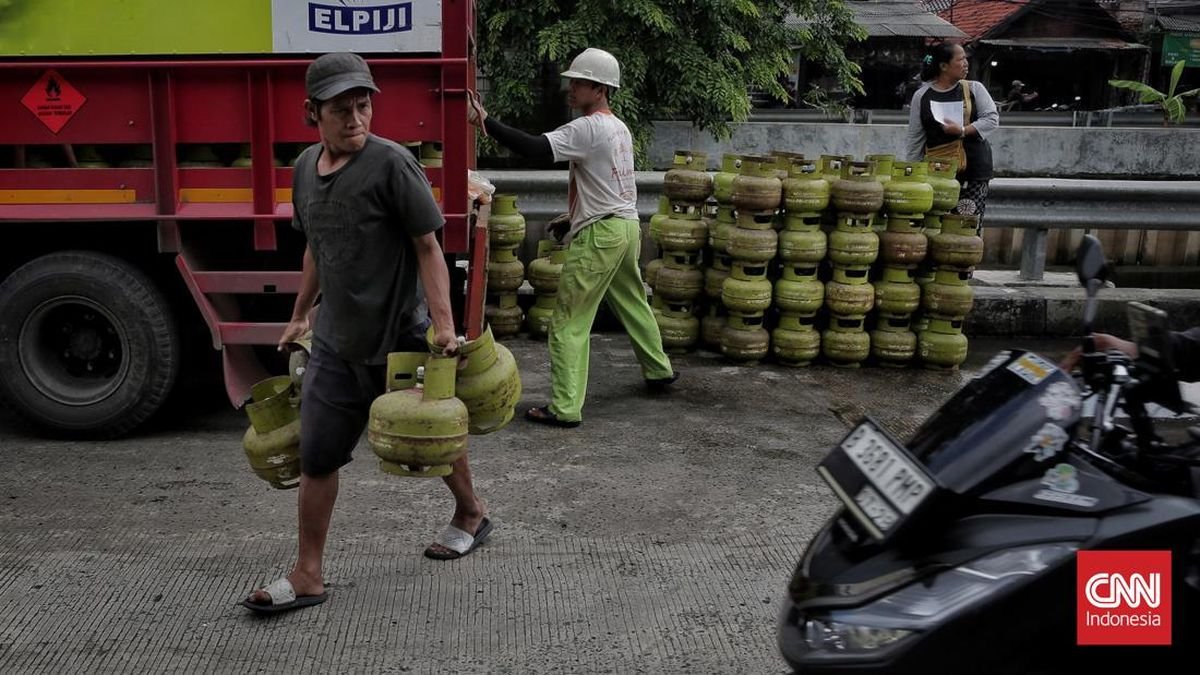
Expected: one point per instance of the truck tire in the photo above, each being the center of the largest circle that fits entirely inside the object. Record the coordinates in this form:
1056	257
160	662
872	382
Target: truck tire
88	345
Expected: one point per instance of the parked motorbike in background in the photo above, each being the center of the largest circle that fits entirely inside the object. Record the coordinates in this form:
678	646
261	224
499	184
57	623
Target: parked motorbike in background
956	552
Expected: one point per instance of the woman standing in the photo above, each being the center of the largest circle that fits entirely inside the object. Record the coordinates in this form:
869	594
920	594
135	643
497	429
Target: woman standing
951	117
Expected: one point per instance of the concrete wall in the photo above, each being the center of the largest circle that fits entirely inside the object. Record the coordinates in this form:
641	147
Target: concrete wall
1017	151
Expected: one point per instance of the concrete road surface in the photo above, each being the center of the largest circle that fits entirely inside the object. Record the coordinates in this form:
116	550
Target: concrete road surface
656	538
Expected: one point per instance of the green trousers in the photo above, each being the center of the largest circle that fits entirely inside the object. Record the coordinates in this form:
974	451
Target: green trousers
602	264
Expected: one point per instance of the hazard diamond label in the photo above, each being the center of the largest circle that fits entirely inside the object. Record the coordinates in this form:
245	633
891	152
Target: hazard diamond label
54	101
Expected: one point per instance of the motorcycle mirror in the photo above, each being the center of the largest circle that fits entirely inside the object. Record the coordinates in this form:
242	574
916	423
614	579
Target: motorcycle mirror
1090	264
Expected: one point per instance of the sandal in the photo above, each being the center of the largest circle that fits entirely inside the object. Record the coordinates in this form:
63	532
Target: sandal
661	385
543	415
283	598
458	542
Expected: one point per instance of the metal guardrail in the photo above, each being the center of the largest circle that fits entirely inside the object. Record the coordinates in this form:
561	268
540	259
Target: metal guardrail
1037	204
1047	118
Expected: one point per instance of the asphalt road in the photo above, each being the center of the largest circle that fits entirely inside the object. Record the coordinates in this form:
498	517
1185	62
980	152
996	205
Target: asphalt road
657	537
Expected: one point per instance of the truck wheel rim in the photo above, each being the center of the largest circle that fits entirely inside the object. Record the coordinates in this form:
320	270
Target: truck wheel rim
73	351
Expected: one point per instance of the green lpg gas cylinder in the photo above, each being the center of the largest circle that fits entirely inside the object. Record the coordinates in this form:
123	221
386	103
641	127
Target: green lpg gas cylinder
756	187
678	326
783	162
656	220
505	271
883	166
711	326
858	190
431	154
747	296
831	166
853	245
799	291
300	350
795	341
419	431
684	234
506	225
272	443
753	245
949	296
199	157
142	157
89	157
850	293
897	293
650	275
958	245
714	282
908	194
688	180
805	190
487	382
744	338
719	232
808	246
731	165
942	345
545	271
540	315
679	282
845	343
892	342
505	315
946	188
903	243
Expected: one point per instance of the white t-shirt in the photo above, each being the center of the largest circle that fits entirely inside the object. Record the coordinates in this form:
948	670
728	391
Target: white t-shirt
600	150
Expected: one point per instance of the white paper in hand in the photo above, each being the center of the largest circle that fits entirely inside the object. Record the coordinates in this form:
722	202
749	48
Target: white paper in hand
947	112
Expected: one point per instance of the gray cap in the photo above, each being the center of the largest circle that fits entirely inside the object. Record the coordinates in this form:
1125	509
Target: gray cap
332	74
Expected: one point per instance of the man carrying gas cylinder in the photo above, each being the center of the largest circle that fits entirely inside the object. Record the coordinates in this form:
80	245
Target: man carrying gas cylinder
370	218
603	232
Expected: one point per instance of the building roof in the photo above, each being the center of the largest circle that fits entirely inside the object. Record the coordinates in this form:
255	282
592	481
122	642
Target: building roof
894	18
1180	24
1173	6
978	17
901	18
1058	44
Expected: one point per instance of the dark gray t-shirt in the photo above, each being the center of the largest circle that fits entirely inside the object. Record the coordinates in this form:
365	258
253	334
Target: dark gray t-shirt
360	222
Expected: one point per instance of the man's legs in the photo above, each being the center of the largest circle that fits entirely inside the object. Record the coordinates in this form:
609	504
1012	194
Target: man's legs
468	508
333	413
317	496
627	298
591	264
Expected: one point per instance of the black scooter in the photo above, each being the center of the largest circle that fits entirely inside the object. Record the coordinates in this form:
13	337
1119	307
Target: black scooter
960	550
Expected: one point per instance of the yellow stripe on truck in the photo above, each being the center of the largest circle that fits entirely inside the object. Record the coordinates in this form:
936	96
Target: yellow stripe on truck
68	196
228	195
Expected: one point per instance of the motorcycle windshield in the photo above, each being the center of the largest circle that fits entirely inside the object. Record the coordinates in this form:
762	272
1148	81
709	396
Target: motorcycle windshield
1021	408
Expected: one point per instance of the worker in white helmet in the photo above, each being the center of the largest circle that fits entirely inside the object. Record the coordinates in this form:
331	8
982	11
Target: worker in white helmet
602	230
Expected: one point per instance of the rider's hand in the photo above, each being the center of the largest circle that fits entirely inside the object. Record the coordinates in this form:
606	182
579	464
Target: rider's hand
559	226
1104	342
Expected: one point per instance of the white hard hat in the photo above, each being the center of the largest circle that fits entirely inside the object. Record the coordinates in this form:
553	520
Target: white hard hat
596	65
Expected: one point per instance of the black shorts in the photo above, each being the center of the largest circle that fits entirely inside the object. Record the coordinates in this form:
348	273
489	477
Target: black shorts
335	404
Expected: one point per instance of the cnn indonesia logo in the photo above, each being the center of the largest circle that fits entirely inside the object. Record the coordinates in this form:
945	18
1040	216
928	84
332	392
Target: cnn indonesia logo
1124	598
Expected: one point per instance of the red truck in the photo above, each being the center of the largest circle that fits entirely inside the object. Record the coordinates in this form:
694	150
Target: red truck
145	184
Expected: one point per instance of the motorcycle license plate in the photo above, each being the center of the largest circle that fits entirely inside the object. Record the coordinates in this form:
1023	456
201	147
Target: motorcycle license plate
877	479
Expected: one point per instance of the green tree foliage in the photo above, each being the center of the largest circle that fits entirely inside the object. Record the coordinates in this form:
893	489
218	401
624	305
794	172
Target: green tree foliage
1173	107
680	59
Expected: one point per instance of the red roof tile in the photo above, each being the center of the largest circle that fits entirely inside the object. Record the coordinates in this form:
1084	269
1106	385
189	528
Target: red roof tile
977	17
